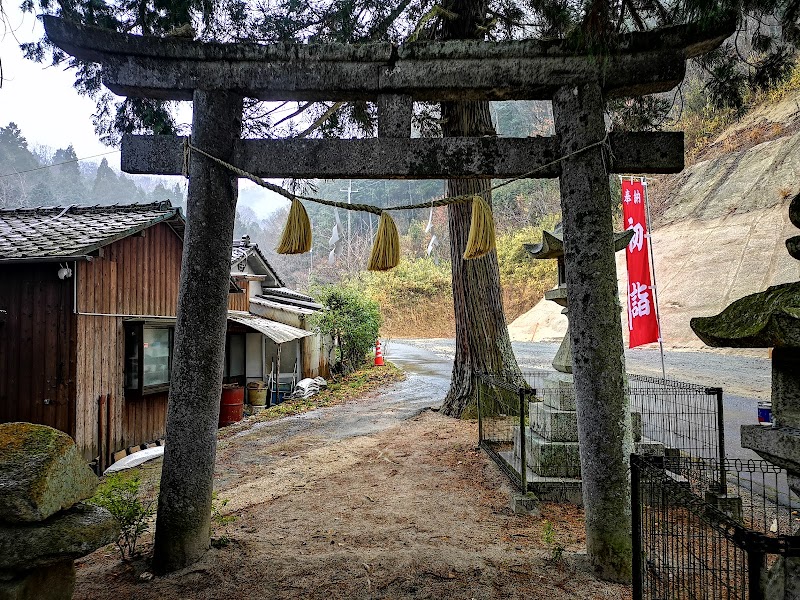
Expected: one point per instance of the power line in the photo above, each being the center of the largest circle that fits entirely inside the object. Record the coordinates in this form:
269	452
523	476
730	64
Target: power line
66	162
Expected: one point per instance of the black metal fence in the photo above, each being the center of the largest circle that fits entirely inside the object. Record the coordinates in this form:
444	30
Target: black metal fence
532	422
692	540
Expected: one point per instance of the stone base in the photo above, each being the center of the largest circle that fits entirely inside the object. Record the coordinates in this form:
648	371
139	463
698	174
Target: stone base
525	504
730	505
54	582
562	459
548	489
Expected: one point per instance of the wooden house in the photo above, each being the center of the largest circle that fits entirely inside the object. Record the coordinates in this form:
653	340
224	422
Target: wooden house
270	335
88	297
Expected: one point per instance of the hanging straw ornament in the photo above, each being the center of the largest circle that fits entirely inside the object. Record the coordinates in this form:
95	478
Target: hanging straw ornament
481	230
386	249
296	238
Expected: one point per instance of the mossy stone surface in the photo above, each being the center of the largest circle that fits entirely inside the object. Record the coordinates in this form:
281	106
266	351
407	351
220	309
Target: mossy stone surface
769	319
41	473
66	536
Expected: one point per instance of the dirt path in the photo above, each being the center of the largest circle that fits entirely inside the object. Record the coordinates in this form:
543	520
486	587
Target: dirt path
403	506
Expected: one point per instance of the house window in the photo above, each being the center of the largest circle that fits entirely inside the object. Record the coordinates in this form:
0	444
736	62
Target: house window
148	357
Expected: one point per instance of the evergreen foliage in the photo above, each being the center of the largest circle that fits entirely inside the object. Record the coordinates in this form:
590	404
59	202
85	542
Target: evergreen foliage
44	178
757	57
352	321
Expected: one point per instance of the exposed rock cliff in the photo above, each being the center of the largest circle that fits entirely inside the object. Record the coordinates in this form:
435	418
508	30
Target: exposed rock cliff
719	228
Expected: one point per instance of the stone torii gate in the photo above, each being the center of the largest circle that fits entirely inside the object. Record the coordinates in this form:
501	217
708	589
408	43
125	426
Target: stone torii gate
217	76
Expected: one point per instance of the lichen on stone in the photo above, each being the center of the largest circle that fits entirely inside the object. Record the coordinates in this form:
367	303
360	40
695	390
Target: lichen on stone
769	319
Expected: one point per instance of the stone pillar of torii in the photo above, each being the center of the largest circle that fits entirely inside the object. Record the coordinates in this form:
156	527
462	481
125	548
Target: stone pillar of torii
216	77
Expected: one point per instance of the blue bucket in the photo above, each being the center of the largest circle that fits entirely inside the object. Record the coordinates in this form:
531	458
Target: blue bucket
765	412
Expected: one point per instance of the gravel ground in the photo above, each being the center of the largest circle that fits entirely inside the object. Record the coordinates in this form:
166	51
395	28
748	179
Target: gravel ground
377	498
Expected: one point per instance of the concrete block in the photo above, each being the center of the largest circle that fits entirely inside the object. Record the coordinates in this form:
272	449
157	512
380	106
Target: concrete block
553	425
552	459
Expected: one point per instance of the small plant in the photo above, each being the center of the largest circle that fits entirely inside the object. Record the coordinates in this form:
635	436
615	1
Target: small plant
119	495
551	541
217	505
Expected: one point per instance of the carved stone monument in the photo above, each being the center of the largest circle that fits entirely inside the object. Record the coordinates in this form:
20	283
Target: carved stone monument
551	440
552	246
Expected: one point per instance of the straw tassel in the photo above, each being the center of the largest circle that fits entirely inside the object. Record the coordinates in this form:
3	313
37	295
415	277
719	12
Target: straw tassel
296	238
481	230
386	250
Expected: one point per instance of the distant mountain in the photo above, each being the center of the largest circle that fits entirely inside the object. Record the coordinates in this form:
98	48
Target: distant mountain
47	178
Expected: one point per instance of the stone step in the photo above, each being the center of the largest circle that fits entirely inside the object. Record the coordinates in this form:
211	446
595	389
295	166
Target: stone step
558	398
552	459
562	459
551	424
549	489
562	425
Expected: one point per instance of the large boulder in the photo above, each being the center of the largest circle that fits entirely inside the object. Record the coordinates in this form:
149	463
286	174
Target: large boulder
69	535
41	473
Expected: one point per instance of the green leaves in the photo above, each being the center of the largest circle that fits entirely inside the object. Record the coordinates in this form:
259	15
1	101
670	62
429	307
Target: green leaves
351	320
119	495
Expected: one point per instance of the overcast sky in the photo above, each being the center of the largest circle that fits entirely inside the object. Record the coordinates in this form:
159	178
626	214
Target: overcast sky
44	104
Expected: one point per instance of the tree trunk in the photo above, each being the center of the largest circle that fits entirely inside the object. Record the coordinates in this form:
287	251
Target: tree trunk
184	504
482	341
598	361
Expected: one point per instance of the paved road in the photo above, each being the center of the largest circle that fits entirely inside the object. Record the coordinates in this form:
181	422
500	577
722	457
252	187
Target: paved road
744	379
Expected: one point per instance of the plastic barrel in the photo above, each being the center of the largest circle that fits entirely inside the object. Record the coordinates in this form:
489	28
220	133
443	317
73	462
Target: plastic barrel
257	393
765	412
231	408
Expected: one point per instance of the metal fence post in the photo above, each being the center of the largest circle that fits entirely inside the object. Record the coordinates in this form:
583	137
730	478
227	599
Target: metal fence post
755	559
723	476
523	470
636	526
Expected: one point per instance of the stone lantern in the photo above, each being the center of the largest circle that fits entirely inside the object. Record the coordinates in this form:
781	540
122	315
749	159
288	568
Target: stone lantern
770	319
552	246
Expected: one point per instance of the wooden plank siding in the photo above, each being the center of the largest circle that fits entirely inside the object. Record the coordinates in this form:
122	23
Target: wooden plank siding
138	275
239	301
37	369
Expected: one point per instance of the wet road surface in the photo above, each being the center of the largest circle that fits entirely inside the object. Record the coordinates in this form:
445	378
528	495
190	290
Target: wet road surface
744	379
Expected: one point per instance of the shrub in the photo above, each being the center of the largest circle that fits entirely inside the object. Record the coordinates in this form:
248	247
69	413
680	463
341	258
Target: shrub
351	320
119	495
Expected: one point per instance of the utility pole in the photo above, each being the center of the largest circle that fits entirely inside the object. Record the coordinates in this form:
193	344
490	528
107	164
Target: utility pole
350	191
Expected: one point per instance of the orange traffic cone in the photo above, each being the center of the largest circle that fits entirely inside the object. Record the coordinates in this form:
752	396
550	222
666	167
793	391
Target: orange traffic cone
378	354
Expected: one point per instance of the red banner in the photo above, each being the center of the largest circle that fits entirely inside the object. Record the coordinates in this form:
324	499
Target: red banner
642	320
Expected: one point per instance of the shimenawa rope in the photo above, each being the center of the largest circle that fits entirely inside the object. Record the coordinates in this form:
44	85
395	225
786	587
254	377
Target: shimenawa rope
296	238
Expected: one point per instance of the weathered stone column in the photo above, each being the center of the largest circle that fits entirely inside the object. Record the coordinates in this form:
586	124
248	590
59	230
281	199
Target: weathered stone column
604	418
184	504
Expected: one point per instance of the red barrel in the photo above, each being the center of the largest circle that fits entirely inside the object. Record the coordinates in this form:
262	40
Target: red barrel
231	407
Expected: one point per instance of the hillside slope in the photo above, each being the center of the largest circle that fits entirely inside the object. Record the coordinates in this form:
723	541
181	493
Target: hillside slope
719	228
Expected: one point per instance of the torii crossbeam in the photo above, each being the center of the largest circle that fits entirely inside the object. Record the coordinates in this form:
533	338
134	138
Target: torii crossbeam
217	76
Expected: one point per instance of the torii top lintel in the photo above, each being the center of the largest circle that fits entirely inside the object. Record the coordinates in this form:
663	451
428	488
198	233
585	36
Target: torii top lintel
172	68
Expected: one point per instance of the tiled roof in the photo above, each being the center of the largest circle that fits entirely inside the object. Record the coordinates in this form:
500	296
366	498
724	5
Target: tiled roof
243	249
31	234
291	297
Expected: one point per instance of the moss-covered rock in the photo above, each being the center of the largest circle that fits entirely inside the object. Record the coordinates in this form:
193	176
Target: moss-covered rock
66	536
41	473
769	319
